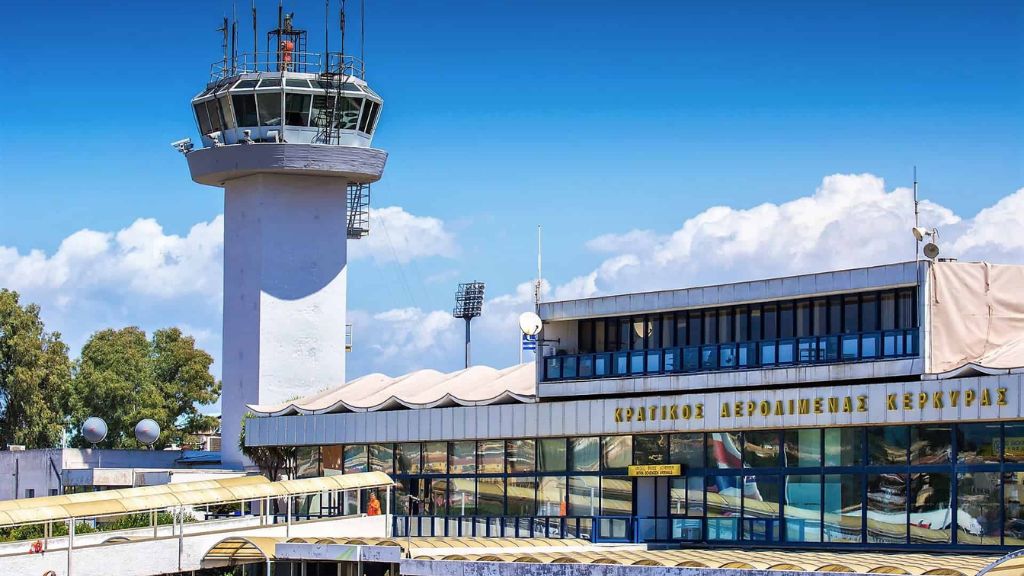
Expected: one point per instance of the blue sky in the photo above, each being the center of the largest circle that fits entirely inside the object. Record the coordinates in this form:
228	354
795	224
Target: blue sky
590	118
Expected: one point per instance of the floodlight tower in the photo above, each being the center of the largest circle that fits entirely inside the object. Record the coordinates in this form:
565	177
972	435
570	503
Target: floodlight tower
286	133
469	303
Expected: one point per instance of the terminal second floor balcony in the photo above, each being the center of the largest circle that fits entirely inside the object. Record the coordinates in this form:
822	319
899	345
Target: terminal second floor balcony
749	355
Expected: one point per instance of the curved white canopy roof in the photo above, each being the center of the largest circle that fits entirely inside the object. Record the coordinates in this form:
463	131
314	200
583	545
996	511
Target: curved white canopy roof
474	386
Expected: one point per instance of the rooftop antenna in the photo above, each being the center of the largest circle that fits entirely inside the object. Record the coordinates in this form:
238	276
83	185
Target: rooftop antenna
342	23
469	303
537	286
234	37
362	35
327	29
224	46
255	38
917	219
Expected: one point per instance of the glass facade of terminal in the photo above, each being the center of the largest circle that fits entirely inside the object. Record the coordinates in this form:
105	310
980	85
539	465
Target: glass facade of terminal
827	329
929	485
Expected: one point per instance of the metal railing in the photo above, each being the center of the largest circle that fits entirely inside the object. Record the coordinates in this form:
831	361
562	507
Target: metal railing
836	348
337	64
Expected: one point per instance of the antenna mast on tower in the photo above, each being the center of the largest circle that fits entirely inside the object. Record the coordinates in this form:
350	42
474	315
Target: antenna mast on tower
917	219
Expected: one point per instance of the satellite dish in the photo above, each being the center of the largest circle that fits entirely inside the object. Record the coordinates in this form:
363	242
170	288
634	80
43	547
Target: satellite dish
529	323
94	430
147	432
931	250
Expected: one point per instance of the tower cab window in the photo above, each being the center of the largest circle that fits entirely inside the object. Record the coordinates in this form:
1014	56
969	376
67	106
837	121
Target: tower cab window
203	118
245	109
269	104
349	112
296	109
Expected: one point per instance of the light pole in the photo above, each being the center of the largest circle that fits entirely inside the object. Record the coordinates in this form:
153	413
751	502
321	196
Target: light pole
408	533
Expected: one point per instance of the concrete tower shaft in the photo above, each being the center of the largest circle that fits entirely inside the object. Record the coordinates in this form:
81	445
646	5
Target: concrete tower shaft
285	275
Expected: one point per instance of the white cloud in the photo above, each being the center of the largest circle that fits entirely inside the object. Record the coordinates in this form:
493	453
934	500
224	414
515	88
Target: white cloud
396	235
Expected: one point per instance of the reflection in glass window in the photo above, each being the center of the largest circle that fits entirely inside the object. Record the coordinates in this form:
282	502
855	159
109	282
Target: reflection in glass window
723	507
724	450
616	452
437	501
551	496
887	310
887	445
687	449
356	459
213	110
348	112
843	507
650	449
869	312
978	508
977	443
245	109
435	457
761	449
851	314
492	456
407	458
931	512
245	84
371	121
616	496
786	320
930	444
803	508
521	455
586	454
296	109
803	447
843	446
584	495
1013	492
203	118
307	462
905	309
270	108
490	496
270	83
522	496
551	455
1013	449
887	508
382	458
462	457
761	508
461	496
332	458
321	110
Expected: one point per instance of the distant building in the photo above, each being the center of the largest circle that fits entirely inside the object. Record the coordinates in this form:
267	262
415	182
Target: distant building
49	472
872	408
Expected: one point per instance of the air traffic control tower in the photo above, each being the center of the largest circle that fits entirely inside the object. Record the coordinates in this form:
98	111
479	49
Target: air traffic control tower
286	133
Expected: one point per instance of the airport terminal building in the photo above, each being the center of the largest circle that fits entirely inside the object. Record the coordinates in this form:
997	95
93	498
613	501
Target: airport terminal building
870	408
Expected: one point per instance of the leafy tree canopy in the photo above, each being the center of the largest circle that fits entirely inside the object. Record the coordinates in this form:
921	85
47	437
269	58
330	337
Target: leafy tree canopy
123	377
35	377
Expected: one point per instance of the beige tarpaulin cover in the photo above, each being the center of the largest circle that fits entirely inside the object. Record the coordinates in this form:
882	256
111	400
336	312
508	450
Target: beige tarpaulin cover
977	316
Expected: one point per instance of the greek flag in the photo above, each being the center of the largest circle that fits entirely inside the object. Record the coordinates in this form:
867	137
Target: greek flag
529	342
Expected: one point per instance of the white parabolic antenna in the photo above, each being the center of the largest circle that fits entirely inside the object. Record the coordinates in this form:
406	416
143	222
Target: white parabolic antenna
147	432
94	430
931	250
529	323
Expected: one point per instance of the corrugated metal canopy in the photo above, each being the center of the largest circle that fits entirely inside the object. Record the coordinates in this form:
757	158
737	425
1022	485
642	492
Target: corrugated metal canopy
921	564
238	550
135	492
141	499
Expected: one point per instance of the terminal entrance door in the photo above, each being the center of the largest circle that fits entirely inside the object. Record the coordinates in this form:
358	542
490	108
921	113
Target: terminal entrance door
651	508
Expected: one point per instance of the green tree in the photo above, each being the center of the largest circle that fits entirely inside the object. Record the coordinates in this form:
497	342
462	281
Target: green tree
124	377
271	460
35	377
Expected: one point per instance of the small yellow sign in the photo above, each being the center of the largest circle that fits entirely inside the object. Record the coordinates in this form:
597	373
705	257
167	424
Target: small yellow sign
656	470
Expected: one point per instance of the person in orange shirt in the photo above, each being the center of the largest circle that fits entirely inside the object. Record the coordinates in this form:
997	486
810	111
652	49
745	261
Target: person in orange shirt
373	508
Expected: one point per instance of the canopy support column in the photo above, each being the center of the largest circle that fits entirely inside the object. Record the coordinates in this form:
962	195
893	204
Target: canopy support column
71	546
288	518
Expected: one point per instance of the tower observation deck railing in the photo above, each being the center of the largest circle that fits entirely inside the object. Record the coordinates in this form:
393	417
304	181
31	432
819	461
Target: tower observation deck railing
336	64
